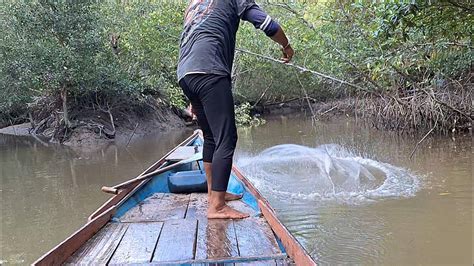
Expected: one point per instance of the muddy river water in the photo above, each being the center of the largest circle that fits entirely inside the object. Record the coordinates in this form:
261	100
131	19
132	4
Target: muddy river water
350	194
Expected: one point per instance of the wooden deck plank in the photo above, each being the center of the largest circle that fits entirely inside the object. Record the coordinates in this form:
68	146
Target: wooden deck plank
177	241
197	208
226	261
101	246
255	238
144	210
285	262
183	153
172	206
216	239
243	207
169	206
257	263
137	244
213	264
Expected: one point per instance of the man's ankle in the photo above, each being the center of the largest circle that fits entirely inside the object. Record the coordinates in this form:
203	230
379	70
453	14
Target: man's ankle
217	200
216	206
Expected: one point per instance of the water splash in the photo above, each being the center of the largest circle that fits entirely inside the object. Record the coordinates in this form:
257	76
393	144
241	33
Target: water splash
327	172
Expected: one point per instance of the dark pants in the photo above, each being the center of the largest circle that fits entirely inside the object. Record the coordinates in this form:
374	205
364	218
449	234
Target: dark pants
213	104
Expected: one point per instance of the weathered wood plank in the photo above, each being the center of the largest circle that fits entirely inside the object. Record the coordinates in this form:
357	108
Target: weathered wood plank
214	264
256	263
137	244
172	206
216	239
159	207
183	153
144	211
285	262
255	238
230	261
197	207
101	246
243	207
177	241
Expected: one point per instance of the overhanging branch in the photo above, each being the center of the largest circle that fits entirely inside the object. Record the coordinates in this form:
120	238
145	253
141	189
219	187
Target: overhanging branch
303	69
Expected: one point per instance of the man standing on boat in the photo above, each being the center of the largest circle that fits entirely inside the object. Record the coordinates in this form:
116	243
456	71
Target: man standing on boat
206	56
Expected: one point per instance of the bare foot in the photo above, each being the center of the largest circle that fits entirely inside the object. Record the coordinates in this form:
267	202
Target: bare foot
225	212
229	196
232	196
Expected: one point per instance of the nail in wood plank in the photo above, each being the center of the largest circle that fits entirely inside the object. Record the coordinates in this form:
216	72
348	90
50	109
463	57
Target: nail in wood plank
177	241
137	244
197	207
255	238
101	246
216	239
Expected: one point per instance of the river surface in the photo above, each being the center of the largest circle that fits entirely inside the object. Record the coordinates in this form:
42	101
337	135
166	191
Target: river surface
350	194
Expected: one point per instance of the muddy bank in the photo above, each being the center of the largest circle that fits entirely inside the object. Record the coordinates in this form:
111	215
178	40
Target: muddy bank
318	110
416	114
126	128
125	133
17	130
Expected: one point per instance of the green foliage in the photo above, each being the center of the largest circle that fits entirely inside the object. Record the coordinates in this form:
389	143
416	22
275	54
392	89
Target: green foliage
243	117
148	40
88	48
129	49
50	45
363	42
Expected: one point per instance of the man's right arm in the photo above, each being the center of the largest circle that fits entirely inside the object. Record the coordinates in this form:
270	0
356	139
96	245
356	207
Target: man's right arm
287	50
272	29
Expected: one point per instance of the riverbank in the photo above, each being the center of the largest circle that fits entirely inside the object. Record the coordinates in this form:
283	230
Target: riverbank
447	112
92	129
89	123
92	134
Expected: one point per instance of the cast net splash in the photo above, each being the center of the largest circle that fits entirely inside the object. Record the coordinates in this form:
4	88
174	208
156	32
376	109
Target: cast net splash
327	172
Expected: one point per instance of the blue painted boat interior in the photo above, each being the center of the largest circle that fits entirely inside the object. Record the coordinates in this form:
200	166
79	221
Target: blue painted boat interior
159	184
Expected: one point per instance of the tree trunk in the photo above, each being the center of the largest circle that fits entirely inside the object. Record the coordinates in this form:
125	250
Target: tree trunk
65	112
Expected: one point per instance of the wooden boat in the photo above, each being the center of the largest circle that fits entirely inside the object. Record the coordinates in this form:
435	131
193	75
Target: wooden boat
143	223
